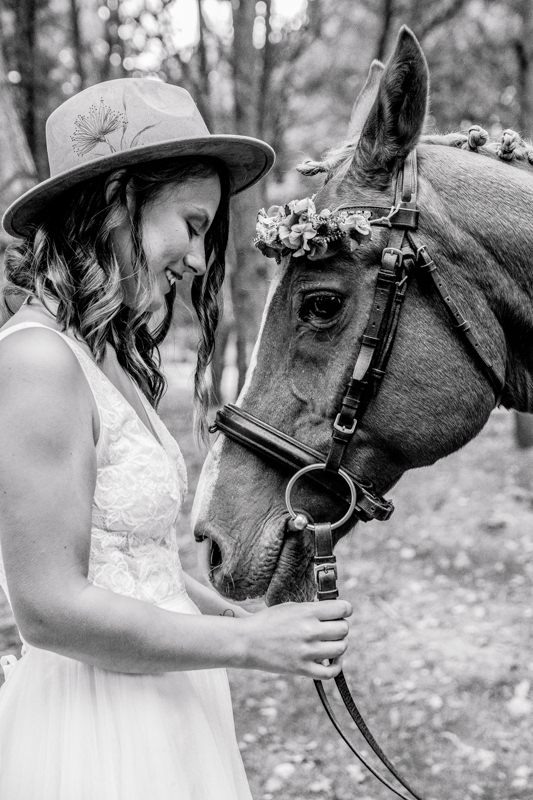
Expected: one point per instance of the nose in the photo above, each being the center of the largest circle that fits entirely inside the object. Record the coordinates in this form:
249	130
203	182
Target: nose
195	260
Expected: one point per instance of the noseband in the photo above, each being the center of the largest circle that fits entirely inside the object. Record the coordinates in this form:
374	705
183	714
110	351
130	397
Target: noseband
404	258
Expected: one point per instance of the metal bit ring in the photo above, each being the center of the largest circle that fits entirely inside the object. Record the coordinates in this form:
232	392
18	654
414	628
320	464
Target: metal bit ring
312	468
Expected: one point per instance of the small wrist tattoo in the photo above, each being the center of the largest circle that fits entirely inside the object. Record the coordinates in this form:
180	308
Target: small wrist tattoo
228	612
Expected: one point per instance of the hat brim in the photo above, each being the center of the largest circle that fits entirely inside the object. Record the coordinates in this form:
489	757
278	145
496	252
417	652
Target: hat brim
247	160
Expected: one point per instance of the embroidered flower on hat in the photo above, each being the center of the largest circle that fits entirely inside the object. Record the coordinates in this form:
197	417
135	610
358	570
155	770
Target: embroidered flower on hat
93	128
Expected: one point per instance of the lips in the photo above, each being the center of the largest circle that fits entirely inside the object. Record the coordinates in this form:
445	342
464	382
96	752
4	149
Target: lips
292	579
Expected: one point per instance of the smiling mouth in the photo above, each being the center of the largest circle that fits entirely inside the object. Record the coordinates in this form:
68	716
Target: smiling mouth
172	276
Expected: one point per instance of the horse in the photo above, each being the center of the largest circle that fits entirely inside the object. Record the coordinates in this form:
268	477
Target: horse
474	199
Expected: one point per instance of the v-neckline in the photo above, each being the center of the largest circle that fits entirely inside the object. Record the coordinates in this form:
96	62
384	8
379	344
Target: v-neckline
149	430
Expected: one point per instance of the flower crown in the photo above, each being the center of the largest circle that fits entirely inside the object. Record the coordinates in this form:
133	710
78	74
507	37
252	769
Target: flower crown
298	230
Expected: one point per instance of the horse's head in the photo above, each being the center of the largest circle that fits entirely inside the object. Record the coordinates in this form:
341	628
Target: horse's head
434	397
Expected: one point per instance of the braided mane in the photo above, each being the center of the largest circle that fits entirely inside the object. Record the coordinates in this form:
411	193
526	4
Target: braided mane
510	147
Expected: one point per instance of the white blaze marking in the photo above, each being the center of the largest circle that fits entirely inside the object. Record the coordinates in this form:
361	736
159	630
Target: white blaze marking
253	361
206	482
209	474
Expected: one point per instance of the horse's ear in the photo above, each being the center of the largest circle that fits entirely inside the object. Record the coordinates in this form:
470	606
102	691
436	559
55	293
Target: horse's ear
397	116
365	100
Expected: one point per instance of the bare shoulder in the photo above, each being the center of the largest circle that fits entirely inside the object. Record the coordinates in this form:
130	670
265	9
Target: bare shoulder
37	355
39	374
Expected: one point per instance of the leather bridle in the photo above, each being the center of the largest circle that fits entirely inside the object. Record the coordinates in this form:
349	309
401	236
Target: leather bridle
404	258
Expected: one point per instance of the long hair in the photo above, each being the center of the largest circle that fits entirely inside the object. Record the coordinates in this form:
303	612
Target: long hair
69	258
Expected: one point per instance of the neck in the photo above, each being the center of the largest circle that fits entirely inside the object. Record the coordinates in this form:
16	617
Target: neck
486	253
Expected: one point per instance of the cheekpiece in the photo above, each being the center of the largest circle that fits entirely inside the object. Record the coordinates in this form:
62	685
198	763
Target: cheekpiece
297	229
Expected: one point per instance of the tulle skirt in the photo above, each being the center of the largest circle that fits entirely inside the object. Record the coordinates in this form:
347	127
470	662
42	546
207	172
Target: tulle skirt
70	731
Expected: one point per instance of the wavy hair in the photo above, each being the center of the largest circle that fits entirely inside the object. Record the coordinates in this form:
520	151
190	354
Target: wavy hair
69	258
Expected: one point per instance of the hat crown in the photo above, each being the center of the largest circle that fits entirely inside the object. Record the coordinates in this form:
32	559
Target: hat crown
116	116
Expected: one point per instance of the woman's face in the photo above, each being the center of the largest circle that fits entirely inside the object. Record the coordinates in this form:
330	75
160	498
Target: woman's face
173	229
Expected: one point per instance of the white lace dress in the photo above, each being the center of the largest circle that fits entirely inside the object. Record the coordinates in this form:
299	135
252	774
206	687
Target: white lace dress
70	731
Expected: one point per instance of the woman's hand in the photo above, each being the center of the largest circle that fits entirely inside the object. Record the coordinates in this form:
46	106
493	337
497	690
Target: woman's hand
298	638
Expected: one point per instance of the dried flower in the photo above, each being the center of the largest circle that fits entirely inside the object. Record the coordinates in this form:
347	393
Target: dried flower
298	229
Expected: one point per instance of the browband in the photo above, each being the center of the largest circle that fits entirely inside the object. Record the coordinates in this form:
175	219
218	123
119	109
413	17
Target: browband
387	217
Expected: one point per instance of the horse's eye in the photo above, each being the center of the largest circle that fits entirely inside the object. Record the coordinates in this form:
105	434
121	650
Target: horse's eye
320	307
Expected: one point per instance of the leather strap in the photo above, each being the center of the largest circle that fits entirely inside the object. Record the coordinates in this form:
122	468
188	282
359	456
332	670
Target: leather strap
289	453
387	287
326	581
387	216
427	266
325	562
319	686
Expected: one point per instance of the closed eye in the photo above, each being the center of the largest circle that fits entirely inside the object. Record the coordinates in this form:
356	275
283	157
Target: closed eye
321	308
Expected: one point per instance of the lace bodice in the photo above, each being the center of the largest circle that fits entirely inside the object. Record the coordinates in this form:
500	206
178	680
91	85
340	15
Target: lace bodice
140	487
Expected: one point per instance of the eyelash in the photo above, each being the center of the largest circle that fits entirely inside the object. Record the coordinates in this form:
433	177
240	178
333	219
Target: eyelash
192	231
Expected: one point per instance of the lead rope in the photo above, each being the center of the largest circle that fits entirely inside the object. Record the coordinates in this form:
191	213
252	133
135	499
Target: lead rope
325	565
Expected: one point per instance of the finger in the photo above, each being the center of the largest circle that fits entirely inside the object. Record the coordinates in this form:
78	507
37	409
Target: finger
329	650
334	629
325	671
332	609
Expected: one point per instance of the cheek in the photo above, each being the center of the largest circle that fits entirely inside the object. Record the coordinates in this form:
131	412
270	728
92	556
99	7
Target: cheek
164	243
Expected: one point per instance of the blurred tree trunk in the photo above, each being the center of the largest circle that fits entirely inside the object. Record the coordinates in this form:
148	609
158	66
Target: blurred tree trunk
77	43
25	53
248	278
203	97
387	15
17	169
112	65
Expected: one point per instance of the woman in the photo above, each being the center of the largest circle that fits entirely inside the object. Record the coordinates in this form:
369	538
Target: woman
121	692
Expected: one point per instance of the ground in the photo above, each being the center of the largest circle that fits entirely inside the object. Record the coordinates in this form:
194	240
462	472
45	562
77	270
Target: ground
441	656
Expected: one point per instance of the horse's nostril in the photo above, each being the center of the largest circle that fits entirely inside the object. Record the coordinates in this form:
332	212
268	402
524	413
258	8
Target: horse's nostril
215	555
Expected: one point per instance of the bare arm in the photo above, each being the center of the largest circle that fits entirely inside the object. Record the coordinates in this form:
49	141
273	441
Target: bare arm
47	481
211	602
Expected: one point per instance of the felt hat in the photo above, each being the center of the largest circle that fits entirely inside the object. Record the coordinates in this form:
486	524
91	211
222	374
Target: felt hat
127	121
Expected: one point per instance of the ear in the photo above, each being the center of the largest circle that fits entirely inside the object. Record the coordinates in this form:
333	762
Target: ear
113	184
365	100
397	116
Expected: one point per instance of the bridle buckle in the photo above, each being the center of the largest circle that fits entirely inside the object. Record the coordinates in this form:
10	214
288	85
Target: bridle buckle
343	428
326	568
395	252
